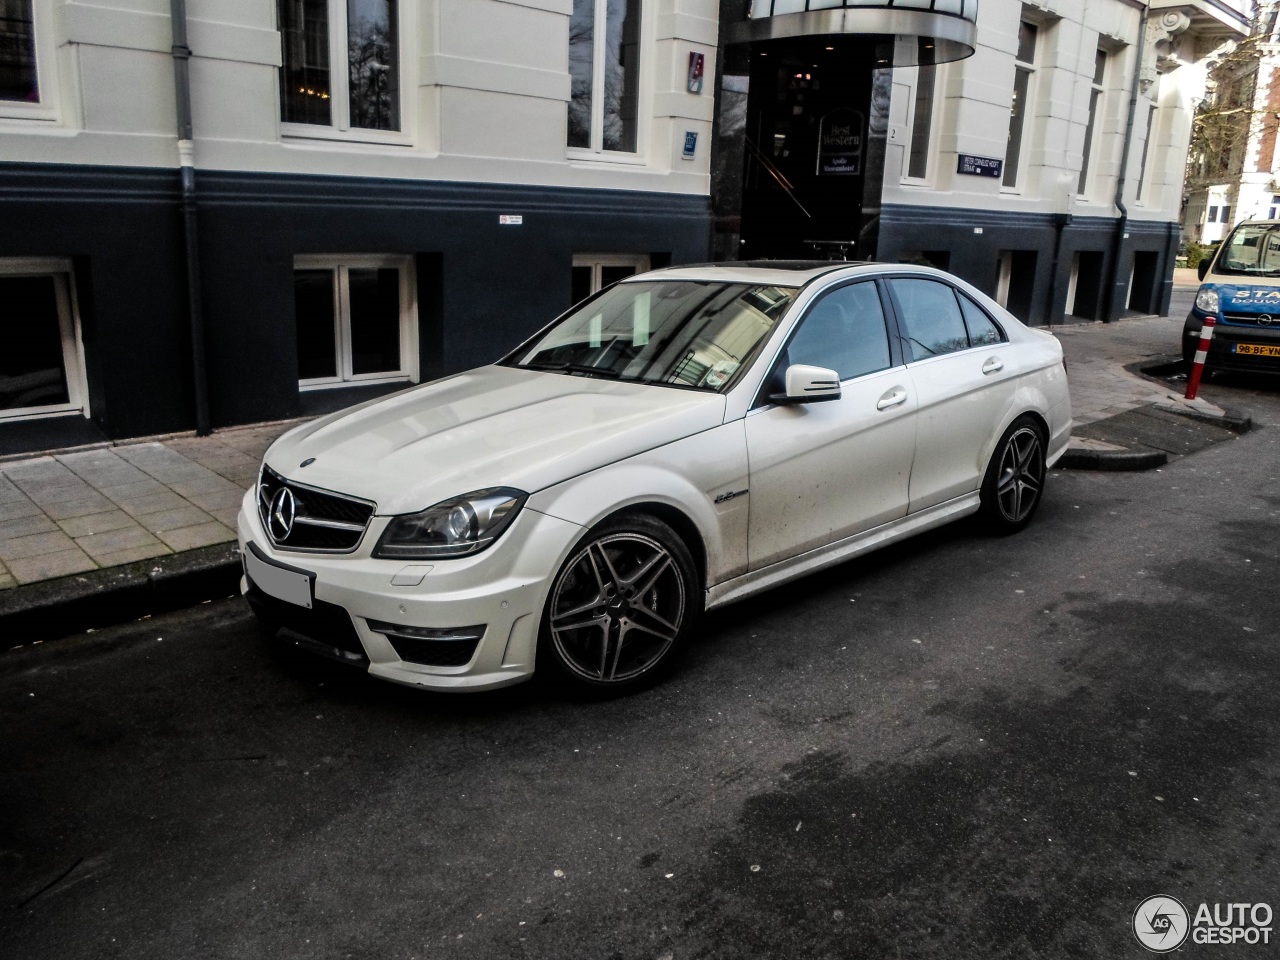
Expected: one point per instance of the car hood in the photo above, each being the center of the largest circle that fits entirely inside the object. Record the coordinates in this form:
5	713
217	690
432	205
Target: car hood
489	427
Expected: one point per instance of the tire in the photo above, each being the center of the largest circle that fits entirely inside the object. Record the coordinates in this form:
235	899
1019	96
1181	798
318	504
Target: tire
621	608
1013	485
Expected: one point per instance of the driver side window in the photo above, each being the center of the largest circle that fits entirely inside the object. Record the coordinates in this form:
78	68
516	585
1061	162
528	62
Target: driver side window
845	332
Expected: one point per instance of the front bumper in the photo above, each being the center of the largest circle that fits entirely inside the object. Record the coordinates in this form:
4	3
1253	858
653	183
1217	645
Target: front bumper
1228	337
502	589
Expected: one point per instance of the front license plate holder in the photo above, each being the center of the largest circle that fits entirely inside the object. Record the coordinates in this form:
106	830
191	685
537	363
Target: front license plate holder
290	584
1255	349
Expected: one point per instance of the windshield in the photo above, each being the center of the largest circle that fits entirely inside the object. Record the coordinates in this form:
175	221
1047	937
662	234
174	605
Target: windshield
1252	250
687	333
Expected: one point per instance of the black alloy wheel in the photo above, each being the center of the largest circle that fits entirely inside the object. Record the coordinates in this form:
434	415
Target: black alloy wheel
621	606
1014	482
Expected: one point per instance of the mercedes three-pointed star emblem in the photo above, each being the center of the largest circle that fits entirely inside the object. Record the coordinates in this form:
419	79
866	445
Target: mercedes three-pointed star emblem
284	507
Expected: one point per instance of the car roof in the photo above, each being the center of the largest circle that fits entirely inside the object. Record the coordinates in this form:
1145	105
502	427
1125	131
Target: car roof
779	273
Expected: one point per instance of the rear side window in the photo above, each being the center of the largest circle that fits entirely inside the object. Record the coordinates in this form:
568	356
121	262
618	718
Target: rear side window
982	329
845	332
932	317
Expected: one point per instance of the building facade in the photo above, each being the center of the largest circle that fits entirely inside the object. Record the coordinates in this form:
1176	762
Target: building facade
216	212
1233	170
1046	167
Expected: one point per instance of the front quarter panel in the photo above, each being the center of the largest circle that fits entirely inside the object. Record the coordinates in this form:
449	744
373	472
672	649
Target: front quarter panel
688	475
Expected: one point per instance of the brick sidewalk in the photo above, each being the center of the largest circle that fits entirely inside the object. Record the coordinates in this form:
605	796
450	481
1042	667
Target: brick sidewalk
68	513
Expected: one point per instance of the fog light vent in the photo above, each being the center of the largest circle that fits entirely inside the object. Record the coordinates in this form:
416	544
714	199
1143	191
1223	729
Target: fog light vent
432	646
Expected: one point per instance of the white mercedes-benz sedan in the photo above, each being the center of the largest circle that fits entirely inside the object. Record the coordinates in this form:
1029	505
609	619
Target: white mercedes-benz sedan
682	440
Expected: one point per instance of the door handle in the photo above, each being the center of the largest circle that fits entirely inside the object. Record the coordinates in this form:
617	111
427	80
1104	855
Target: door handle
993	365
891	399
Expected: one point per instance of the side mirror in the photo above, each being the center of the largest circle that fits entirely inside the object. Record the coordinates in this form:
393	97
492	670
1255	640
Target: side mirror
1203	269
806	384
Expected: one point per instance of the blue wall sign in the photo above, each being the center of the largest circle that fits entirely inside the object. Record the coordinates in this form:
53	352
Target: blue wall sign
980	166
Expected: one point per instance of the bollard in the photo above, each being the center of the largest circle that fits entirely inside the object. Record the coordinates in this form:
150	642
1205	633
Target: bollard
1202	351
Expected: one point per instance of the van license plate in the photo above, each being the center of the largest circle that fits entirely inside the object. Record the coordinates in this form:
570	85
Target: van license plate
1256	350
283	583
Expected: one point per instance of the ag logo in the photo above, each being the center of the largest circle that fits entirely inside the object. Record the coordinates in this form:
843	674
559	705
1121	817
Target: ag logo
1161	924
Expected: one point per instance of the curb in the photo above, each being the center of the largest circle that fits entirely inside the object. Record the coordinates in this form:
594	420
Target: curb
1112	460
57	608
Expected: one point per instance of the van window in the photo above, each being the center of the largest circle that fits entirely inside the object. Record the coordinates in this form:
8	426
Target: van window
1252	250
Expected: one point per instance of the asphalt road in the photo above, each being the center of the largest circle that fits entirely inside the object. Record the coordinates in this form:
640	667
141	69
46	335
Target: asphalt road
960	747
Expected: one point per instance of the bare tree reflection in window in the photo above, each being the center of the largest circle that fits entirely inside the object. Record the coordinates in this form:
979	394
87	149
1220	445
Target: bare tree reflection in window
622	74
582	35
372	62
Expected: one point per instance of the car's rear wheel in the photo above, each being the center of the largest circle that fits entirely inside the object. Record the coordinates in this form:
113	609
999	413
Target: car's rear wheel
621	607
1014	482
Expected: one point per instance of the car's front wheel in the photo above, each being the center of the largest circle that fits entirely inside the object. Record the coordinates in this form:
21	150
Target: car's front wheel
622	606
1014	482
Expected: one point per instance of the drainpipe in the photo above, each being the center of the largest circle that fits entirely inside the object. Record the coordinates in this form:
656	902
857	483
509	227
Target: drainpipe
1117	244
191	233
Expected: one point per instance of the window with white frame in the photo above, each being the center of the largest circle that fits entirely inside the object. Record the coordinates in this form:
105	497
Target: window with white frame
1096	94
340	64
26	60
357	320
1023	92
592	272
42	363
604	69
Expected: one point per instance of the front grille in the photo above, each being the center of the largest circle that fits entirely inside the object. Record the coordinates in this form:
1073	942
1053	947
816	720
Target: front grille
325	629
322	521
1253	320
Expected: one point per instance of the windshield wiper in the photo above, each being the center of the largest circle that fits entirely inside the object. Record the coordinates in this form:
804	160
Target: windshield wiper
574	368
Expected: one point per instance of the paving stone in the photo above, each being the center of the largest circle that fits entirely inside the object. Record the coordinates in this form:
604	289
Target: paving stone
25	526
152	503
96	523
62	563
36	467
19	508
218	501
228	516
102	468
7	581
137	488
200	535
133	554
173	519
8	492
83	507
113	541
211	483
56	491
18	548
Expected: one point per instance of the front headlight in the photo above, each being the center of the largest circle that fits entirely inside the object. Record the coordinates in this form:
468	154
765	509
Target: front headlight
1207	299
457	527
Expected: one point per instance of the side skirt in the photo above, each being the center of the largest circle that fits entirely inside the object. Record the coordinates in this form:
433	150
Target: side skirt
739	588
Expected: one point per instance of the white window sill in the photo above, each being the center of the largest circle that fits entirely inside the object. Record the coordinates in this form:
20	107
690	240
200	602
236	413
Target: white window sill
305	134
40	413
27	112
591	158
306	386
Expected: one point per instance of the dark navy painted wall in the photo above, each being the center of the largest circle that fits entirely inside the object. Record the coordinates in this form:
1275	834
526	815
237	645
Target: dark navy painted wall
482	287
975	257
